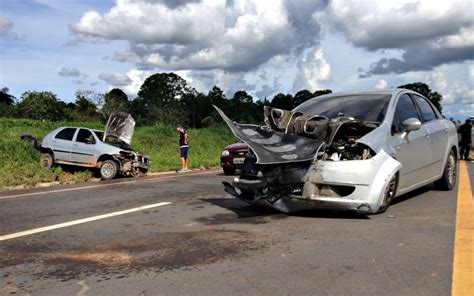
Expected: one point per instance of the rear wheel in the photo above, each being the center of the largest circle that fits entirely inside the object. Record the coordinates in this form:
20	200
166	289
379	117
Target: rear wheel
46	160
448	180
228	171
108	169
389	194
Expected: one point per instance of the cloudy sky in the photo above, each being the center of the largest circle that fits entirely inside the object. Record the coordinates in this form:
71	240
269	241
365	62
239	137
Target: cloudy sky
261	46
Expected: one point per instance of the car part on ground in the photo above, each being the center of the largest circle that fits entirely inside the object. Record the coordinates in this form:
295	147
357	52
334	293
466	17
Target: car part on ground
344	151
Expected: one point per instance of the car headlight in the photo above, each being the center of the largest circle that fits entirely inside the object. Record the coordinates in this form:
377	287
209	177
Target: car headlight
225	153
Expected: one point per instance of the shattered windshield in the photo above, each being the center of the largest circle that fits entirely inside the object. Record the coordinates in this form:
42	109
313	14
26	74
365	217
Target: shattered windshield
110	139
368	107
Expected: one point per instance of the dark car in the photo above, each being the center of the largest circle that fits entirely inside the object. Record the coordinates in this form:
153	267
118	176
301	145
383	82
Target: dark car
233	156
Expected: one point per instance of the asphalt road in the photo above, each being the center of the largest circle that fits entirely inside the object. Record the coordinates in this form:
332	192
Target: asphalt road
206	243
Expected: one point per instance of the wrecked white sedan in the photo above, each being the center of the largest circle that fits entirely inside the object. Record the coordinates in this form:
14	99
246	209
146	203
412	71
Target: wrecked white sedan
348	151
108	151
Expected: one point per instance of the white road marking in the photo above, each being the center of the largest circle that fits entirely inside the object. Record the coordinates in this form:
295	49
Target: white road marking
80	221
104	185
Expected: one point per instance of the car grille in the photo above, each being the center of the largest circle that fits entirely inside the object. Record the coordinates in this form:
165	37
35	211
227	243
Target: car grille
239	153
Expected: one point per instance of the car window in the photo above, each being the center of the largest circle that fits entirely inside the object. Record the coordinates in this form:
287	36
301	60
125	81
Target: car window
66	134
425	108
85	136
405	109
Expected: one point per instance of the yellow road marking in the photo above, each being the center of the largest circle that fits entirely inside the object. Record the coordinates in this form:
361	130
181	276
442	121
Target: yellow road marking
80	221
463	266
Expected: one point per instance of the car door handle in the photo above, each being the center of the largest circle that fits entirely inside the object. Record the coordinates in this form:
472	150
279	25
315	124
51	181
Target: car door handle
398	147
74	145
427	136
445	129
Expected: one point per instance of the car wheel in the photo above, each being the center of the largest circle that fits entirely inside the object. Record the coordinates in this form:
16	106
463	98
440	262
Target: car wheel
389	194
142	172
108	169
46	160
228	171
448	180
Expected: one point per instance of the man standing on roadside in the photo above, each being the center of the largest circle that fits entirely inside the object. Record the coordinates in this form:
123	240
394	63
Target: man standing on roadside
183	148
465	143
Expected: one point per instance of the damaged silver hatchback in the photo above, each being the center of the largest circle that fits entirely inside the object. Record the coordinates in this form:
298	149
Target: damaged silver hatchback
109	150
347	151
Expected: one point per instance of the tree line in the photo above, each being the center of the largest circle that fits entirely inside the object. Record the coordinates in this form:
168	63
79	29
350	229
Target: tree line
163	98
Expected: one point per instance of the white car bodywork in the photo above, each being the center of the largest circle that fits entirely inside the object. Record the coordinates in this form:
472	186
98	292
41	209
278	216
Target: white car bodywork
346	171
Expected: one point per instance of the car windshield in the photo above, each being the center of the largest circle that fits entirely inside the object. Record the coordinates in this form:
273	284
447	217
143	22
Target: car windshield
368	107
109	138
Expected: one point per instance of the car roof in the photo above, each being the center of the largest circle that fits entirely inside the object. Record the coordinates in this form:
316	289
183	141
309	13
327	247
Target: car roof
95	130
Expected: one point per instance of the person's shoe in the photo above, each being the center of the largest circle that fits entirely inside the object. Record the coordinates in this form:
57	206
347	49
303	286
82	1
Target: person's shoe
181	171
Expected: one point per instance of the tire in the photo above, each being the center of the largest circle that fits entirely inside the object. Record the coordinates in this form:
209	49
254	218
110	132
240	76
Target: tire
141	172
108	169
46	161
389	194
448	180
228	171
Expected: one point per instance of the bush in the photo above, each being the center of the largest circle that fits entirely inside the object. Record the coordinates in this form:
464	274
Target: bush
207	121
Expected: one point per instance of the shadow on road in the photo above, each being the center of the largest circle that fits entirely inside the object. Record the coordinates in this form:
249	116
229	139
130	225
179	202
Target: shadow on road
412	194
251	214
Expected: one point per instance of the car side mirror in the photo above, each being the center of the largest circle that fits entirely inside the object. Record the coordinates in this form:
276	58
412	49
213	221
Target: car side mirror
411	124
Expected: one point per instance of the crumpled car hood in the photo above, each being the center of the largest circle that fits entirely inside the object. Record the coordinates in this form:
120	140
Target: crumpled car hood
120	125
273	147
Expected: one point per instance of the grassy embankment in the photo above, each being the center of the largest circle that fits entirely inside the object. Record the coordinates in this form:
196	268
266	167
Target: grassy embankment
19	163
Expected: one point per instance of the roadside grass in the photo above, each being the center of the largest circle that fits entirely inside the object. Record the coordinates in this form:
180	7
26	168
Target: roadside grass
19	162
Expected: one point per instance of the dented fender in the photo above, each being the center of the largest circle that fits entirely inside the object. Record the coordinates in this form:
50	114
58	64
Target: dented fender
368	177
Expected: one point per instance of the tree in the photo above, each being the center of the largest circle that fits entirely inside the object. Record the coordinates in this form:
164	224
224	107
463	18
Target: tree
242	96
282	101
40	105
322	92
115	100
425	90
85	107
5	97
243	109
301	97
6	102
160	99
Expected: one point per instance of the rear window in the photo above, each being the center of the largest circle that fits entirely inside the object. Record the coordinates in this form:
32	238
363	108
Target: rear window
66	134
368	107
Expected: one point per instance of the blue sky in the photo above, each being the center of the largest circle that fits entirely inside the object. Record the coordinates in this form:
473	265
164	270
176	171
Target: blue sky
263	47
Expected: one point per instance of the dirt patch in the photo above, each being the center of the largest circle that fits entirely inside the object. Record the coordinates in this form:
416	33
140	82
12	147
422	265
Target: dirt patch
163	252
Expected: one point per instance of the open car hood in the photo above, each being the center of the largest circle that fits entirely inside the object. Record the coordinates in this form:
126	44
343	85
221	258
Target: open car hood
120	125
274	147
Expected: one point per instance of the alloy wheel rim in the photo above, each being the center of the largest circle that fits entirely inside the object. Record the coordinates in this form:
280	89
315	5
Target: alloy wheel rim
107	169
451	167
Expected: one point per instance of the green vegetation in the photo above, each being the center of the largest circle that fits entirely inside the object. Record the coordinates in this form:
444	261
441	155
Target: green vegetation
19	163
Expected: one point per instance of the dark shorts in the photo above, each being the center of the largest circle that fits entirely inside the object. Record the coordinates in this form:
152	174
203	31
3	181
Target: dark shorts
183	151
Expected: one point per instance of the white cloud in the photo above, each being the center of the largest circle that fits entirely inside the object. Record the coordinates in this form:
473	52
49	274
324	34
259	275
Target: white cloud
233	36
6	30
313	71
453	92
381	84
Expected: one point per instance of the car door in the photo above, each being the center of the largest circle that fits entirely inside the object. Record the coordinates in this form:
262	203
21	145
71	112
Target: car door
83	148
438	135
411	149
62	144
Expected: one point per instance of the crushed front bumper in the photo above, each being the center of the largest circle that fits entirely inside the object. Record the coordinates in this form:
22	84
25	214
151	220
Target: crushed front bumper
356	185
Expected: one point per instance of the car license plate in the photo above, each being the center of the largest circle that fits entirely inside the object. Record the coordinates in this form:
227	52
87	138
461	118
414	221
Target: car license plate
239	160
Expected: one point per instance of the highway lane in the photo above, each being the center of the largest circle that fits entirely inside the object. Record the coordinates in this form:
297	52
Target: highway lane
205	242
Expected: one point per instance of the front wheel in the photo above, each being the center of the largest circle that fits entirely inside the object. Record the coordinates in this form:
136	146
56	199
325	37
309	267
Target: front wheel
46	161
448	180
389	194
108	169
